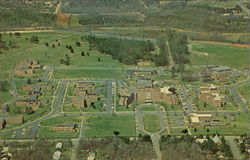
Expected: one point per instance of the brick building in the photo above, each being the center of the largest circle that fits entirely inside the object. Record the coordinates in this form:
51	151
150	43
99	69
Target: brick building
125	97
26	67
10	120
211	95
150	95
85	94
219	73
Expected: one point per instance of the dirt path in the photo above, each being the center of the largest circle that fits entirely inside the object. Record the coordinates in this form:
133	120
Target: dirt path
58	8
29	31
228	44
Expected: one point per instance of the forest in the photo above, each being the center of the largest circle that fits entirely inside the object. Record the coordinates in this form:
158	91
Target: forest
23	14
132	51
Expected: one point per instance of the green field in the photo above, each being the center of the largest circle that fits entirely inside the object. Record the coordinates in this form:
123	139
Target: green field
224	4
60	120
149	108
5	95
239	126
89	73
244	90
104	126
151	122
46	129
219	54
51	56
46	132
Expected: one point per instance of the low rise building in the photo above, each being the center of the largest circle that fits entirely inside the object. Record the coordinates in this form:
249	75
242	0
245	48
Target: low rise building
125	97
198	120
211	95
26	67
219	73
150	95
72	127
10	120
85	94
14	119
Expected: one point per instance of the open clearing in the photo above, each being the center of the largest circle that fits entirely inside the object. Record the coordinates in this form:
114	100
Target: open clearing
219	54
151	122
104	126
52	55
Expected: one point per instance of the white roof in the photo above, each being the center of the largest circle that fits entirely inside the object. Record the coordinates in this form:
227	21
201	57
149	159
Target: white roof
57	155
165	90
59	145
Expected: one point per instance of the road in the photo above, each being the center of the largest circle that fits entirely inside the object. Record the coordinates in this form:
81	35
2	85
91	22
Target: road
30	129
111	96
155	136
238	99
185	100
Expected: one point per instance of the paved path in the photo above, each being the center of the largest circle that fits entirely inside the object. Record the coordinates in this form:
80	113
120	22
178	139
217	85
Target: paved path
155	138
234	148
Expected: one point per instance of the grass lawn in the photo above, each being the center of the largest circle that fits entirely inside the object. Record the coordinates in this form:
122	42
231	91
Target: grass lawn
60	120
219	54
124	108
4	135
38	113
149	108
169	107
51	56
46	132
70	108
5	95
244	90
177	130
104	126
224	4
89	73
151	122
224	130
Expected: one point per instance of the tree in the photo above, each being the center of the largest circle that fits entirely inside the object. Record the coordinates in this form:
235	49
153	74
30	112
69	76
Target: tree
82	54
17	34
116	133
78	44
185	131
46	44
3	86
99	59
29	81
34	39
72	50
